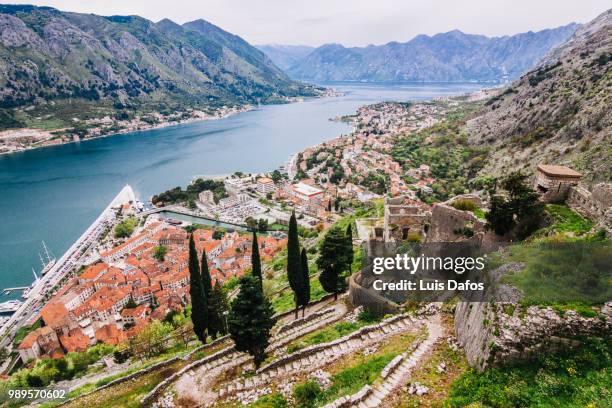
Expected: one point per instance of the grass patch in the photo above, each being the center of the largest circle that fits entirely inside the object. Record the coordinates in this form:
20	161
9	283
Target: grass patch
562	272
350	380
479	213
325	335
576	378
126	394
274	400
334	332
24	331
566	220
284	301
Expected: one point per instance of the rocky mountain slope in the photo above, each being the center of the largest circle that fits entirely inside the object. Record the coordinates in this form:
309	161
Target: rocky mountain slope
50	56
557	113
285	56
451	56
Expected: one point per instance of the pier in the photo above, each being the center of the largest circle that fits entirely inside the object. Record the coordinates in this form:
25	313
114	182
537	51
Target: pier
8	291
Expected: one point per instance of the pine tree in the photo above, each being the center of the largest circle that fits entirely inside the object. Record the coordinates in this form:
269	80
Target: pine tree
520	212
199	307
305	298
294	267
250	320
333	260
256	261
211	312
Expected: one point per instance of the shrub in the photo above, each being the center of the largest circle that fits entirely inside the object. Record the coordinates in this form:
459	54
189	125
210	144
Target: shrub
125	228
306	394
464	205
34	380
367	316
413	237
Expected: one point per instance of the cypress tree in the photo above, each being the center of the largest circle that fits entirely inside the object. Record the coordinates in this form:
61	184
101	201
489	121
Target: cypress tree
221	305
250	320
332	260
294	267
256	261
350	253
211	312
306	280
199	307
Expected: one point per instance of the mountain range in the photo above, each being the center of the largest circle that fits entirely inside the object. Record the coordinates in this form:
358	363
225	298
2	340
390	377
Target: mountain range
558	112
452	56
285	56
52	57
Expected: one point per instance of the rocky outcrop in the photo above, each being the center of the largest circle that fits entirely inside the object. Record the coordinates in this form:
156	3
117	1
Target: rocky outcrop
498	334
558	112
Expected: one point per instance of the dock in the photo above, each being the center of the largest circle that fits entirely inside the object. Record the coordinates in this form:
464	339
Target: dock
8	291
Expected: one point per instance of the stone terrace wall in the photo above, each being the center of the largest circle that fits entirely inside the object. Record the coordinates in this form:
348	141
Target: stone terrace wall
596	205
496	334
369	298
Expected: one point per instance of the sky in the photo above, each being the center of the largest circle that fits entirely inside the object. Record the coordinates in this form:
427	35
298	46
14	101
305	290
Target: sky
349	22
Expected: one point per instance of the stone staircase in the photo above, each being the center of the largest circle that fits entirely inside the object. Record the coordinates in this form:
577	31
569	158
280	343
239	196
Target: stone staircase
311	358
394	375
300	327
208	368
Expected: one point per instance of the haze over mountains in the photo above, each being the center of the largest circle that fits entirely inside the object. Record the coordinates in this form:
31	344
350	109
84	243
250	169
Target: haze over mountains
285	56
128	61
451	56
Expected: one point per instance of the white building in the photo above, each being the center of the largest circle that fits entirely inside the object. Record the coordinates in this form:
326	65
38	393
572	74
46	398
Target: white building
305	192
207	197
265	185
233	201
76	297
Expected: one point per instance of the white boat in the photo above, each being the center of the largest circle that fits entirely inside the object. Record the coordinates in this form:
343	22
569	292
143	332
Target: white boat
9	307
50	259
26	293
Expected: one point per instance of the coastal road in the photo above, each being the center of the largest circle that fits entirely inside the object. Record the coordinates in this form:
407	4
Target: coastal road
292	167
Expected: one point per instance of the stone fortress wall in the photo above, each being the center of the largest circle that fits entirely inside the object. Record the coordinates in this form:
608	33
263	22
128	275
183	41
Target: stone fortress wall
518	335
596	204
562	184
